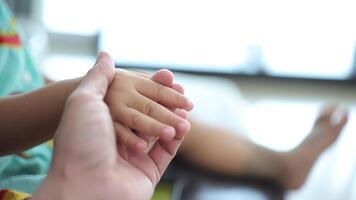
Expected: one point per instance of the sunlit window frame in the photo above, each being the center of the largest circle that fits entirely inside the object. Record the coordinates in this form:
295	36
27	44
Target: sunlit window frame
82	44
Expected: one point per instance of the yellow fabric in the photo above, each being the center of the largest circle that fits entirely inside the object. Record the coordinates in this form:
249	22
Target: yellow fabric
163	191
13	195
50	143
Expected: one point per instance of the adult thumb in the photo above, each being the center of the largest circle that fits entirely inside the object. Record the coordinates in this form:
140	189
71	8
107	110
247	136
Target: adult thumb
98	78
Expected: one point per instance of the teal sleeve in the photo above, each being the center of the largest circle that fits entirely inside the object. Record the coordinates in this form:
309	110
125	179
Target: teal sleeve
18	72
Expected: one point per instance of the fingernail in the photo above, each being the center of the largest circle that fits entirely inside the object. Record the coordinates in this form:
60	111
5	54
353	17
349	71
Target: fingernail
104	57
189	105
183	127
181	113
110	59
100	56
168	133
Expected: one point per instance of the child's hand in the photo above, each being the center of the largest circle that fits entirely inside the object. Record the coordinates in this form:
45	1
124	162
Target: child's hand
140	104
86	156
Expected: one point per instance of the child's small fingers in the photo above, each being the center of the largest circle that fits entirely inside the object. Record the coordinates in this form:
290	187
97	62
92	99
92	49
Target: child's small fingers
181	113
177	87
182	130
149	139
142	74
164	95
164	77
145	124
126	137
175	118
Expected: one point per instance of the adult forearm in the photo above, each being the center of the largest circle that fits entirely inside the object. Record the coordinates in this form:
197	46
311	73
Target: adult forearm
32	118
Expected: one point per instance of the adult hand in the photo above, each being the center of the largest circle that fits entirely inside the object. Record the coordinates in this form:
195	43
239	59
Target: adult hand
87	162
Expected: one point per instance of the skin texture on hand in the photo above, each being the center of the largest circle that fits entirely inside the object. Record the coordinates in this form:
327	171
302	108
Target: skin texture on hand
170	114
138	103
88	163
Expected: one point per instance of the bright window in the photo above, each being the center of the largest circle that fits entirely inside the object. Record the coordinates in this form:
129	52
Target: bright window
74	17
309	38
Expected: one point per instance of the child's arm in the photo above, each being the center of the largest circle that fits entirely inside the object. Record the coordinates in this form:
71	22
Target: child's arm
31	118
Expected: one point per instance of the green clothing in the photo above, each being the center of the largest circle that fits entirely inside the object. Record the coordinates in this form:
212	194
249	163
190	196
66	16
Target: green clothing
18	74
17	70
24	172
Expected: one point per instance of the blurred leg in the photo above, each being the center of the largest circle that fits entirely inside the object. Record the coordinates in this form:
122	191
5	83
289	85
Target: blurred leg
222	151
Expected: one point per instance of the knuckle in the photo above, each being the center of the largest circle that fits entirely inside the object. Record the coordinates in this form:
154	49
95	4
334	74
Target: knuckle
173	119
157	89
148	109
134	120
120	75
125	137
123	134
181	99
120	135
178	100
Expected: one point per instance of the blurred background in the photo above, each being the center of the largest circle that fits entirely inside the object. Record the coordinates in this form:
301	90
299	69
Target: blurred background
272	64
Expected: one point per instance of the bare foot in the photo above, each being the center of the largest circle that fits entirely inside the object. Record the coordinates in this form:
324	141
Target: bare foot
299	161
